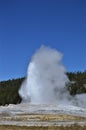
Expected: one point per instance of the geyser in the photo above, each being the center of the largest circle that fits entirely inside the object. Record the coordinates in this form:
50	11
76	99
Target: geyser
46	78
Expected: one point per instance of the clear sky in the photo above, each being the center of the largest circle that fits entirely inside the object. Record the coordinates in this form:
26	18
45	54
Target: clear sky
27	24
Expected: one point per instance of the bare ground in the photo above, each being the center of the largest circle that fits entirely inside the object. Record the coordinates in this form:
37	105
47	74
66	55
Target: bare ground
72	127
42	122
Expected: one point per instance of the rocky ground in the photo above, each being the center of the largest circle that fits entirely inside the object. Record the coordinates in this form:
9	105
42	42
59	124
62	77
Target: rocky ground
42	117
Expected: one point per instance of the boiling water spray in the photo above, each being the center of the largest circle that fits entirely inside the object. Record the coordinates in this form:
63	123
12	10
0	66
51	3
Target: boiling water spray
46	80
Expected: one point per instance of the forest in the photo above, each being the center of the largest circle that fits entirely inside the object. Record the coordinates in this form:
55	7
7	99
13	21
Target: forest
9	89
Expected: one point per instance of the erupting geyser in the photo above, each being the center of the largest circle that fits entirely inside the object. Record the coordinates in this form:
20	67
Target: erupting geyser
46	78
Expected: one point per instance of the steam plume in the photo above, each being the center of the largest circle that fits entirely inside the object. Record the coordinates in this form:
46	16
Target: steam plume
46	79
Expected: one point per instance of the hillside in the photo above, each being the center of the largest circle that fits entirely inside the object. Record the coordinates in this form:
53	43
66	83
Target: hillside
9	89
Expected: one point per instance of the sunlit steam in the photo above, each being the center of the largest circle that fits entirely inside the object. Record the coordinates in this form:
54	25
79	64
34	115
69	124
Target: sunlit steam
46	79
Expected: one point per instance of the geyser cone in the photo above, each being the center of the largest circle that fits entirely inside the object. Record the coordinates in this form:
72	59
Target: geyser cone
46	78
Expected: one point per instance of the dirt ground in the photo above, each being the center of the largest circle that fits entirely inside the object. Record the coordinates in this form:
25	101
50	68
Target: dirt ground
35	121
72	127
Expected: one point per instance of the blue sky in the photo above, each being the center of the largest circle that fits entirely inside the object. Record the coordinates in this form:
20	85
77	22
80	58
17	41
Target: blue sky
27	24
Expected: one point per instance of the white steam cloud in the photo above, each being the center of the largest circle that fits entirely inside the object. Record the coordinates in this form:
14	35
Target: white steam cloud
46	79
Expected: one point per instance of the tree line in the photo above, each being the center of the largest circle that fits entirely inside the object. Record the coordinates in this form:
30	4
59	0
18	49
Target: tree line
9	89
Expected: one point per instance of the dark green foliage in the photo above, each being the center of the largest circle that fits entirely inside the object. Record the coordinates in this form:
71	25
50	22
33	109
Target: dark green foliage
78	84
9	91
